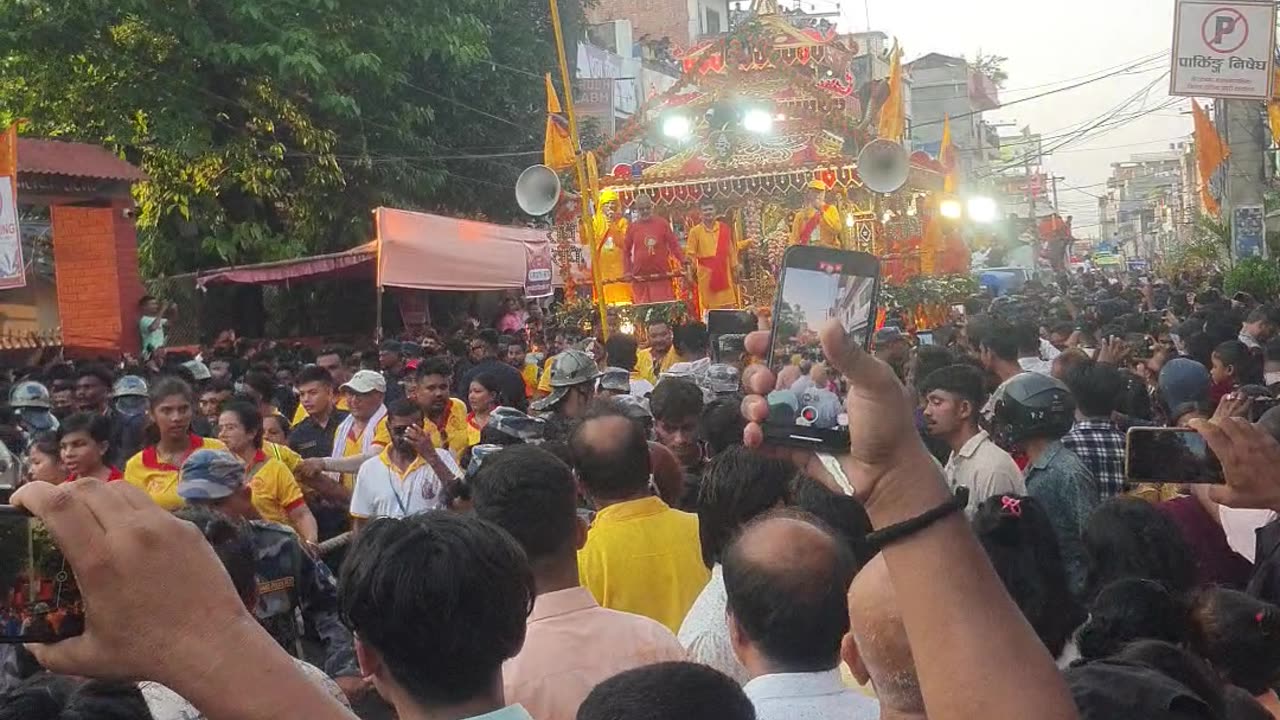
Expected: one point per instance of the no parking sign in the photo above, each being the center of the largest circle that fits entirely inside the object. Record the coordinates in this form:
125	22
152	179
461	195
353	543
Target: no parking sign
1223	49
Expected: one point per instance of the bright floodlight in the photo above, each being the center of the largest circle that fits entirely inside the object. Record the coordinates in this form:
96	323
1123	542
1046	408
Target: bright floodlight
757	120
951	209
677	127
982	209
627	327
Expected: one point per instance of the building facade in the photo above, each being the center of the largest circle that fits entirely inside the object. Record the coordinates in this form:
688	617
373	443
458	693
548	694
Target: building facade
1145	210
944	86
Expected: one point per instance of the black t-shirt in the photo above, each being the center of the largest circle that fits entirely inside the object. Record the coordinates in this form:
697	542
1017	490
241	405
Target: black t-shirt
310	439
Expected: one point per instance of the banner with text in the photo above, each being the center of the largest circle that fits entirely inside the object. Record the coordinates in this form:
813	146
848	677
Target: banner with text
537	270
1223	49
13	272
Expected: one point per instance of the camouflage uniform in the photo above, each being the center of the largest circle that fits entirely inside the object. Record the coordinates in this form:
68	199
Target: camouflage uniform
290	580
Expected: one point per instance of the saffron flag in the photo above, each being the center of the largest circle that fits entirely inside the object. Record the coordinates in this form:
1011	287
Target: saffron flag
893	114
947	156
1211	152
557	150
9	151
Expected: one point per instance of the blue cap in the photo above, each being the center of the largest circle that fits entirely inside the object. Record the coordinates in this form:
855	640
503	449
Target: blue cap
210	475
1182	381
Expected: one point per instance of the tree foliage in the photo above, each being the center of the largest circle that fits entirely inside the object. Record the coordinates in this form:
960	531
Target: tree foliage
271	128
993	67
1257	276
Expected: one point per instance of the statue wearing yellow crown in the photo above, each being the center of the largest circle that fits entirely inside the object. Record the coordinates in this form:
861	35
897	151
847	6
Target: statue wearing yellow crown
610	228
817	223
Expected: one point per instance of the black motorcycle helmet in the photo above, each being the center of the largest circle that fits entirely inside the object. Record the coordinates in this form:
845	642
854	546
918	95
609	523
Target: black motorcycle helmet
1029	406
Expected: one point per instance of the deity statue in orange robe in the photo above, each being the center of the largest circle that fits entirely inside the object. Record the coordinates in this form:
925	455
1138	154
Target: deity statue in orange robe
714	254
610	232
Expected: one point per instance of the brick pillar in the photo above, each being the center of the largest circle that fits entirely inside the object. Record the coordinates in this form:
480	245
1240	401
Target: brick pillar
95	255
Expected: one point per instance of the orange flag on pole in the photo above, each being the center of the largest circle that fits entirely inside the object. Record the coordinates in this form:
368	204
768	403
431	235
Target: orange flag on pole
893	114
9	151
947	156
1211	152
557	150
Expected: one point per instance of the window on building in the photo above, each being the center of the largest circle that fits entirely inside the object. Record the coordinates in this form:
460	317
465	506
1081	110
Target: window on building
713	23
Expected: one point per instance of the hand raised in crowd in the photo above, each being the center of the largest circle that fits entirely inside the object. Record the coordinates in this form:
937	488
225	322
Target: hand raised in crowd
421	440
874	391
117	538
1233	405
892	472
1249	457
1113	351
148	578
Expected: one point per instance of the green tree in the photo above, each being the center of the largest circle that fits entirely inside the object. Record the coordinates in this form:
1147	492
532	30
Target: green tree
992	66
271	128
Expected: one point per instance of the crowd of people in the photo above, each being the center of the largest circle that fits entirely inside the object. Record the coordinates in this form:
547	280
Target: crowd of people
514	522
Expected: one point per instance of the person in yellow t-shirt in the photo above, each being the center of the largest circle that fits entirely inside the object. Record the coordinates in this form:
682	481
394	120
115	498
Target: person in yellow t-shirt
276	493
661	351
446	422
714	254
610	228
817	223
641	556
155	469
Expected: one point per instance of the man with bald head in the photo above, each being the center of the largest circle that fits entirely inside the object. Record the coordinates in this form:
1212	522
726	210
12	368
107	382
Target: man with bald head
876	648
786	579
641	556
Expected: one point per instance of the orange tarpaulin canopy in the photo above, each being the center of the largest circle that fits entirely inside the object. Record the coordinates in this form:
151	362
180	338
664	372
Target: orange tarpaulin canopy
412	250
432	252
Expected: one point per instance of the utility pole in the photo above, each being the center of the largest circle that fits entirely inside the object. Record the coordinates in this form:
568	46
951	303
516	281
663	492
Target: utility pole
1031	198
1055	180
1242	128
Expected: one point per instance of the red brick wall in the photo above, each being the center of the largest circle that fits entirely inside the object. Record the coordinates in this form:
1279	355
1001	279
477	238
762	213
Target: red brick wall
95	254
656	18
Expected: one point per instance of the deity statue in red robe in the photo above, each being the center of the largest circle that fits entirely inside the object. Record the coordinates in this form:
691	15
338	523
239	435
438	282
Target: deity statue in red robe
650	249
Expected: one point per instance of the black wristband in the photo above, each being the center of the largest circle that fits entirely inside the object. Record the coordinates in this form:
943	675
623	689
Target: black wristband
885	537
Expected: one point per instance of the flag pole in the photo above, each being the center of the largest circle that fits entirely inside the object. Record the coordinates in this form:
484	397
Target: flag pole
588	199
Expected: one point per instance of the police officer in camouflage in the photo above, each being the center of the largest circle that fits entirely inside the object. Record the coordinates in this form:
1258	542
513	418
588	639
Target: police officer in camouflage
573	385
289	578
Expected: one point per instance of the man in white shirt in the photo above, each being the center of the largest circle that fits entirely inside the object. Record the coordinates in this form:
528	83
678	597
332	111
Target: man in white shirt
786	580
408	477
953	399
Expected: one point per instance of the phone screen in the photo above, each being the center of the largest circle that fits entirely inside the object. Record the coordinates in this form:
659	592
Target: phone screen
39	599
1170	455
817	285
727	333
924	338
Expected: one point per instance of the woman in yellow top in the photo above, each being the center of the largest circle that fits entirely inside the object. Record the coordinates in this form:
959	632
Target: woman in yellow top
483	396
275	493
155	469
610	228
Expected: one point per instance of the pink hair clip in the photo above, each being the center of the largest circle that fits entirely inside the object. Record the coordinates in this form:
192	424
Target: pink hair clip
1011	505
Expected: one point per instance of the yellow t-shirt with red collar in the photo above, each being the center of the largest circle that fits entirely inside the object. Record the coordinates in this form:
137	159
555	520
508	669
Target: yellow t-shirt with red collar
275	492
159	479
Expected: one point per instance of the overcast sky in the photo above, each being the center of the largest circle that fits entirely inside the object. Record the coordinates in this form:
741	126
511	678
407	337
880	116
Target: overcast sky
1049	44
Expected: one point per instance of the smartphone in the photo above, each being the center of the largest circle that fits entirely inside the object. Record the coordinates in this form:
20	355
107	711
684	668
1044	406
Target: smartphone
39	599
1170	455
727	333
816	285
924	338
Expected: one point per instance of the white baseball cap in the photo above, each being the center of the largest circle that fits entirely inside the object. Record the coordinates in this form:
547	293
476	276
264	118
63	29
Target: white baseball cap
366	381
